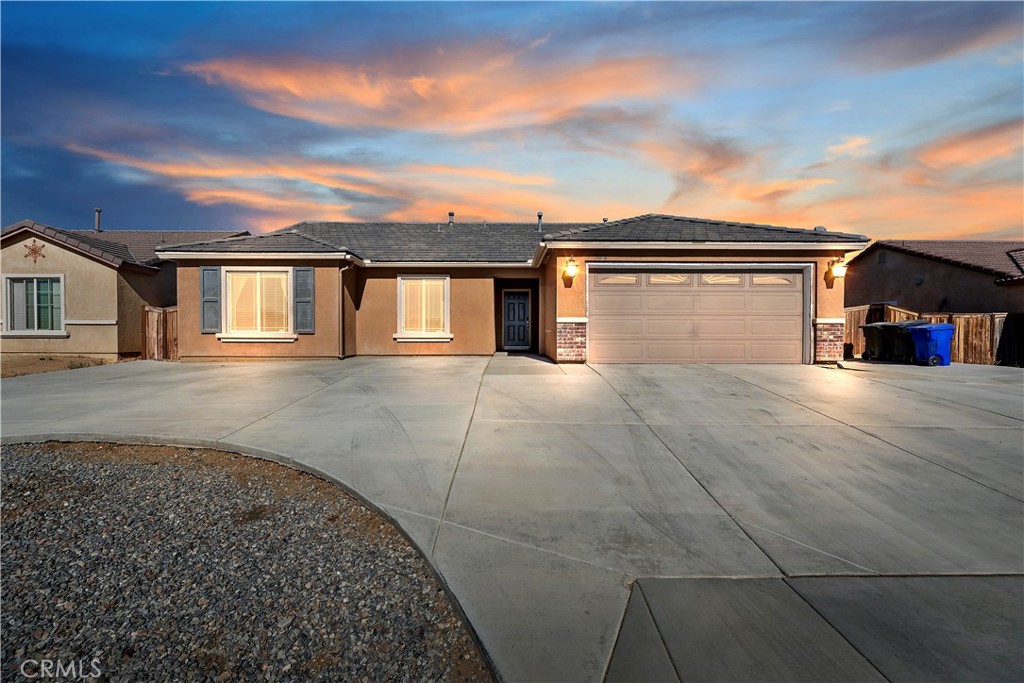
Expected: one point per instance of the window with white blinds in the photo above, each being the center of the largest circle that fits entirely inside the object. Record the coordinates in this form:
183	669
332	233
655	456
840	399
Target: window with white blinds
34	304
257	301
423	305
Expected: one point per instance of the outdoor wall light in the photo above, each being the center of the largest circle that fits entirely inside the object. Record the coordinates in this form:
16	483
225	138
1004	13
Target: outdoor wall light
837	268
571	269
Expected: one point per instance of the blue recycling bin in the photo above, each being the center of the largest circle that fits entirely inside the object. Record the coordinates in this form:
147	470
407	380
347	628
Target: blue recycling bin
932	343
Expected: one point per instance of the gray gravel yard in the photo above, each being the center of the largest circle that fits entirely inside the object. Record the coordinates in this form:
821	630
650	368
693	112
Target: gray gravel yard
188	564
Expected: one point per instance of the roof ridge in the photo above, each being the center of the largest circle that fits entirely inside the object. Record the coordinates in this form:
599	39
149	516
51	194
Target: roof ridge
317	240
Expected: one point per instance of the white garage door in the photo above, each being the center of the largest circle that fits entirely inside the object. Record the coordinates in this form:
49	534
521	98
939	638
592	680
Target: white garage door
696	317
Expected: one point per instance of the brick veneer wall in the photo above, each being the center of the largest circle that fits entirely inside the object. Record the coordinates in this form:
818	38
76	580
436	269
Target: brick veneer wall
571	340
828	342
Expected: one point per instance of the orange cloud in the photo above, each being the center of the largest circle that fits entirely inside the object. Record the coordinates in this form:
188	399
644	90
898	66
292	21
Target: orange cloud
474	89
773	191
852	146
481	173
998	141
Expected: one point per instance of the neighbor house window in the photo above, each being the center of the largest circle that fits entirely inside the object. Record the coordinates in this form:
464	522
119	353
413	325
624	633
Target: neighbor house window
423	308
34	304
258	302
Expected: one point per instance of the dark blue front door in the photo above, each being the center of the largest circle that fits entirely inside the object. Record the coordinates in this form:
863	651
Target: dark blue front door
516	320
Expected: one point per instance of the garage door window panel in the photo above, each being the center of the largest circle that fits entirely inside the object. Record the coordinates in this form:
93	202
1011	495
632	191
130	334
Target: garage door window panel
670	279
773	280
721	279
617	279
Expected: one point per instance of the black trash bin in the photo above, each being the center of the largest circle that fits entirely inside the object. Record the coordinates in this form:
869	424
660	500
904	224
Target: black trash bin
872	341
887	341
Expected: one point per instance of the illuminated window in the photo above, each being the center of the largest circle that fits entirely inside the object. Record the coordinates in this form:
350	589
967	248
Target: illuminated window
257	302
34	304
669	279
423	307
617	279
721	279
772	279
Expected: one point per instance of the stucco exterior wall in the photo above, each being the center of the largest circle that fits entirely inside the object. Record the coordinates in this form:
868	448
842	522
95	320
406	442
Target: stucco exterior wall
90	299
927	286
325	343
472	310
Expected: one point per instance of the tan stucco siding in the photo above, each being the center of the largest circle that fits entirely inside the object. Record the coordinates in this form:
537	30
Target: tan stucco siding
572	295
471	307
549	303
325	343
90	296
135	291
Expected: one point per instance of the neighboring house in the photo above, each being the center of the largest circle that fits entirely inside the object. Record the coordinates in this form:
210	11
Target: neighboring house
939	276
83	291
653	288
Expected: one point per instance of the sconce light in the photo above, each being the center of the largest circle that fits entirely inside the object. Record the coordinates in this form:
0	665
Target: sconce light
571	269
837	268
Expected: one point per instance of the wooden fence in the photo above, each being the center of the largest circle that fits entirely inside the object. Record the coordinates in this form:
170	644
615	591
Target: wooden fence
160	333
980	338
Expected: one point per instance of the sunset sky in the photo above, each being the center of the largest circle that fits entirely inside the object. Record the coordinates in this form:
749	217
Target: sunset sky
889	119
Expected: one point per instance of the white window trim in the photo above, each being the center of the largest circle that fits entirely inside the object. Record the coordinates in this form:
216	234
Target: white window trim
39	334
446	336
250	336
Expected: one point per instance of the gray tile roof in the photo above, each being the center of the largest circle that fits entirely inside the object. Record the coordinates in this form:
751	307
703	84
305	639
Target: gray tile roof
463	242
285	242
1001	258
142	244
116	247
470	242
662	228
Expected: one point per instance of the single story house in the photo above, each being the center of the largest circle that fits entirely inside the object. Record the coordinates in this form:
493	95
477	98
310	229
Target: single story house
939	276
82	292
653	288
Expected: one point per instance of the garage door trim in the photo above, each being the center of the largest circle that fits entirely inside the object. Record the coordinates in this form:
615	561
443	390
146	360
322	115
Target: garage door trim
806	269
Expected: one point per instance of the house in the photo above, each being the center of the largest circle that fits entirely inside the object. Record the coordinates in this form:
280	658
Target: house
82	292
653	288
933	276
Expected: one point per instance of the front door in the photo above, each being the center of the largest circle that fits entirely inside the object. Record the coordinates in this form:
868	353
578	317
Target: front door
516	319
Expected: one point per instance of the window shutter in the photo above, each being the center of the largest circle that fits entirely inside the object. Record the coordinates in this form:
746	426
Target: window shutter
304	302
209	285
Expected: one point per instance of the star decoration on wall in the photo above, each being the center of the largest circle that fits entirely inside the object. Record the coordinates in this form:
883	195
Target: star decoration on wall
35	251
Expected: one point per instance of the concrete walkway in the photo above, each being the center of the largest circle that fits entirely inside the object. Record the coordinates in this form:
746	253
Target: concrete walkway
785	522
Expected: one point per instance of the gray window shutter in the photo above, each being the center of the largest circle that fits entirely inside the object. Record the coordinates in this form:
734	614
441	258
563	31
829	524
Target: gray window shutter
209	284
304	305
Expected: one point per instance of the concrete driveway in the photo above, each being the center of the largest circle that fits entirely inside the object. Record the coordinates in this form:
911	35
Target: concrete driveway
643	522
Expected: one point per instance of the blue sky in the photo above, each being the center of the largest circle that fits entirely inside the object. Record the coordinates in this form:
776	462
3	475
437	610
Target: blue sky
889	119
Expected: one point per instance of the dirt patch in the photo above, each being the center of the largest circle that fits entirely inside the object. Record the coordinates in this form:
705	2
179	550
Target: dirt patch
15	365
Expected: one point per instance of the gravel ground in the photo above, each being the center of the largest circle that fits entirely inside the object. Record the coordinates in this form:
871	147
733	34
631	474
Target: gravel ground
186	564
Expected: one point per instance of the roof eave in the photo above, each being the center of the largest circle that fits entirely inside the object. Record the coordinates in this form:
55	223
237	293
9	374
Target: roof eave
725	246
260	256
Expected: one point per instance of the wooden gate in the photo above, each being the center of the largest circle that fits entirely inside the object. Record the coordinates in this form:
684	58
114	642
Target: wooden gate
160	333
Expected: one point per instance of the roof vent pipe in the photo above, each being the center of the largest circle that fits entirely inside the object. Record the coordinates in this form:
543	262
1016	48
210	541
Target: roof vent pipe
98	212
451	218
540	220
604	220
